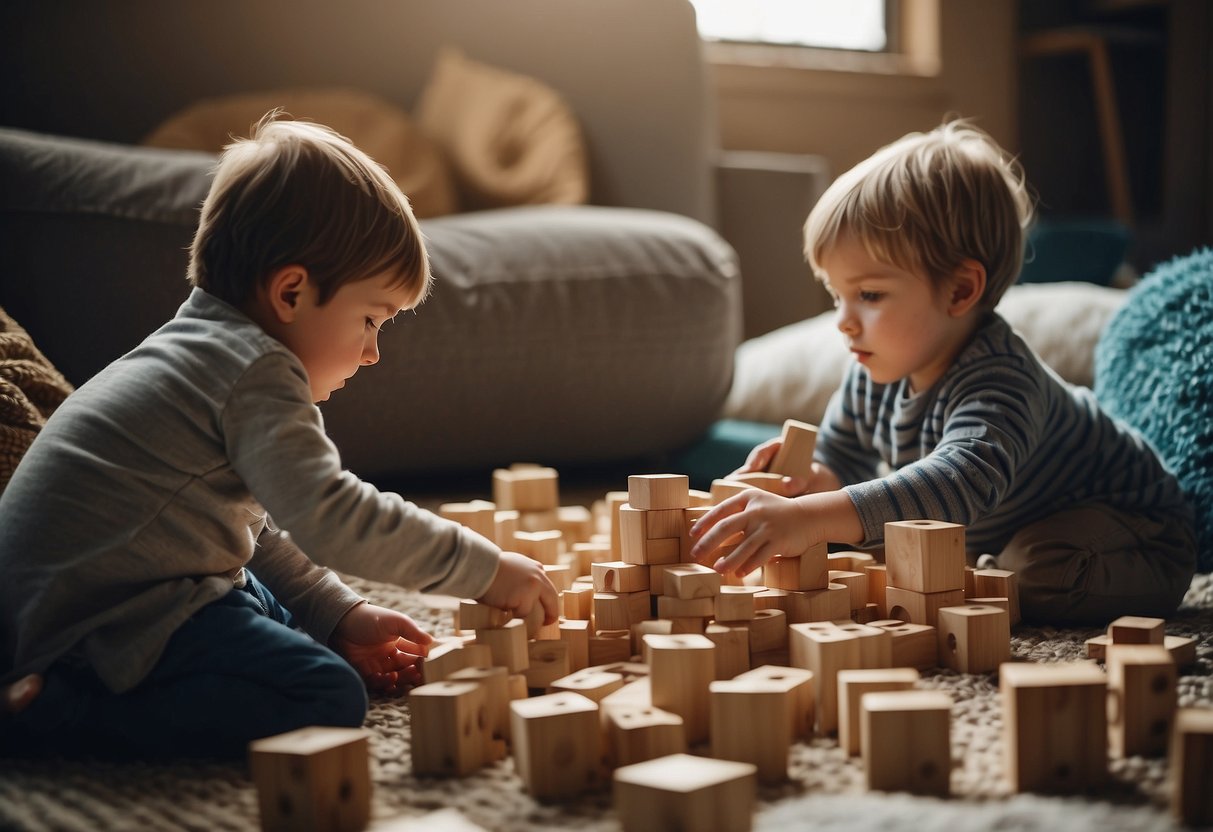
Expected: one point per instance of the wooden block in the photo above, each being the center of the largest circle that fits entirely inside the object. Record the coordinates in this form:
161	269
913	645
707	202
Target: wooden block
588	554
669	522
636	733
723	489
544	547
920	607
561	574
610	646
496	684
1003	604
616	611
1182	649
701	499
875	643
998	583
1055	726
632	536
557	745
313	778
549	661
478	515
1097	647
827	604
852	684
668	606
476	616
803	572
925	556
866	615
615	500
906	741
662	550
970	583
1191	759
540	521
620	576
825	650
450	733
576	634
749	723
526	488
1134	629
878	580
736	603
682	792
505	526
594	685
780	657
654	626
852	561
444	659
768	631
761	480
577	602
637	693
914	645
795	455
798	682
771	599
655	492
507	646
1142	699
973	638
696	625
682	668
690	580
732	649
856	584
575	522
443	820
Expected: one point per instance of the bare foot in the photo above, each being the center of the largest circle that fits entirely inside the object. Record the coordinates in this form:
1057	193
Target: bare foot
16	697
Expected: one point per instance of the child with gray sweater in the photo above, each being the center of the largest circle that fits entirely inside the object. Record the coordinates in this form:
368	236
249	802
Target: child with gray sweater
165	541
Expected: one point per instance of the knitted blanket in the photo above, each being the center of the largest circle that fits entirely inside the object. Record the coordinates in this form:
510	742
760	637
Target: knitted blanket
30	390
824	792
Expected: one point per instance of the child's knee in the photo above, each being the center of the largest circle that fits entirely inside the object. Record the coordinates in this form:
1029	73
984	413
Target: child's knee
340	697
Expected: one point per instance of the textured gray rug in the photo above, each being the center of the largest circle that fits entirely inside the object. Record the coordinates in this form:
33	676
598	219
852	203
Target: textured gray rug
825	791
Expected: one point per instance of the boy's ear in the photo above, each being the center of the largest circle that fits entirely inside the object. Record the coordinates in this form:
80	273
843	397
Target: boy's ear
284	290
968	286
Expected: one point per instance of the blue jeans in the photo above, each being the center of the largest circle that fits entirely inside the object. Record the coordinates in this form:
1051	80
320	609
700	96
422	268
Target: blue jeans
234	672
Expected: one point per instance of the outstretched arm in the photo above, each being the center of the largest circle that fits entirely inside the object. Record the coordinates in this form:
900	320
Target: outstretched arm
771	525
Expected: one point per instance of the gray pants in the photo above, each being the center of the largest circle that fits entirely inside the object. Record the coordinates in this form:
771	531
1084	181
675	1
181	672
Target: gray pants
1091	564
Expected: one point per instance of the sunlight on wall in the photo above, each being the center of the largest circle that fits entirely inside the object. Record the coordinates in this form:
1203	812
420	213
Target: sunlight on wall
853	24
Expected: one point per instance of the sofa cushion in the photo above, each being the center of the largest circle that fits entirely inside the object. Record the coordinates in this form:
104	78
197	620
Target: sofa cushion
555	334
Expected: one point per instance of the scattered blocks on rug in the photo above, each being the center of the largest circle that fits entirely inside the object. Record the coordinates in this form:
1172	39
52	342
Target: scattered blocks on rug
905	738
314	778
685	792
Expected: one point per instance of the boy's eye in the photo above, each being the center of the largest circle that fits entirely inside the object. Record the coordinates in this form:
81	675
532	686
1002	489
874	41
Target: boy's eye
370	322
870	297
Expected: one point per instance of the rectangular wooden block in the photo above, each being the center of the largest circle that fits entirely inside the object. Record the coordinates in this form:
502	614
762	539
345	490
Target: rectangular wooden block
914	645
829	604
732	649
1191	760
557	745
852	684
1135	629
549	661
906	741
825	650
479	515
656	492
668	522
450	729
875	643
803	572
507	646
682	792
578	602
749	723
595	685
496	684
925	556
998	583
1055	726
669	606
974	638
768	631
736	603
620	576
723	489
476	616
530	488
795	455
920	607
636	733
313	778
878	580
447	657
1142	699
856	584
688	581
682	667
798	682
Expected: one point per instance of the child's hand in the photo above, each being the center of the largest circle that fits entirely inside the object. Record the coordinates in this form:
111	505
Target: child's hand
821	478
383	645
770	524
520	582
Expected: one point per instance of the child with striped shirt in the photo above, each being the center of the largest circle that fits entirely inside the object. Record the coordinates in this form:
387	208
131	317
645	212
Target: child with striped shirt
947	414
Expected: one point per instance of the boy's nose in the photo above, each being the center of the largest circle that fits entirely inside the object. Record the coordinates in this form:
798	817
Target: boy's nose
370	353
846	322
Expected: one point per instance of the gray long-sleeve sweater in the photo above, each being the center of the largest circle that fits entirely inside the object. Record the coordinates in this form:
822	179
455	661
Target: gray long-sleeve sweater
153	485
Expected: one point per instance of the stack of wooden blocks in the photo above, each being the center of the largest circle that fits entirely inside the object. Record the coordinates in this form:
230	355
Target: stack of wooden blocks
654	656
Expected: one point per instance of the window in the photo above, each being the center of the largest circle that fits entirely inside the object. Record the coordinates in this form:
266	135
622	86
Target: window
839	24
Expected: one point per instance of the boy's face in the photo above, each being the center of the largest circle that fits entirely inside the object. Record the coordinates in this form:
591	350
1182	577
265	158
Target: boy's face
897	324
334	340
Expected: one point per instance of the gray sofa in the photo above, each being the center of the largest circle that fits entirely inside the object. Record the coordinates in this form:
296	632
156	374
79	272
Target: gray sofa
562	335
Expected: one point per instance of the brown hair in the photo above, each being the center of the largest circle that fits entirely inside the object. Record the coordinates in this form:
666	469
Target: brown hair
295	192
927	202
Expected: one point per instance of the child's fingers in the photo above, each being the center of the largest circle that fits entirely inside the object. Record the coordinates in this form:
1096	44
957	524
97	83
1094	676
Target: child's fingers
550	602
407	629
748	555
721	523
759	458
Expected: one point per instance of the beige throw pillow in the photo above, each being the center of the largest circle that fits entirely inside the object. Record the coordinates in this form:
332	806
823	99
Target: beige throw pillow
510	139
372	123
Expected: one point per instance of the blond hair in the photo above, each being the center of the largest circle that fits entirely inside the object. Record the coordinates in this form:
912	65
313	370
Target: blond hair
926	203
298	193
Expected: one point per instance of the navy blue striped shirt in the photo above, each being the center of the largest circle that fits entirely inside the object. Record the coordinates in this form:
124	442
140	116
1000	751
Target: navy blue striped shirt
999	442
